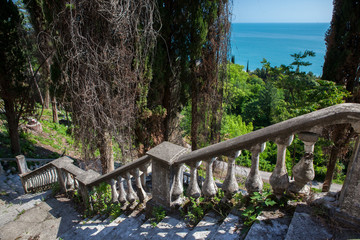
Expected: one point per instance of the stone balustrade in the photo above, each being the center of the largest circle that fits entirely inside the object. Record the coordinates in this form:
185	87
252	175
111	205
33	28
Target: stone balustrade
166	162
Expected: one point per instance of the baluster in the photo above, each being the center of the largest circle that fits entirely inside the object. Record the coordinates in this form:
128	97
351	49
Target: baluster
122	193
131	195
178	185
279	179
230	185
114	193
55	175
145	170
47	177
254	182
31	183
45	180
76	182
140	190
194	189
303	171
69	180
41	180
36	181
51	173
209	189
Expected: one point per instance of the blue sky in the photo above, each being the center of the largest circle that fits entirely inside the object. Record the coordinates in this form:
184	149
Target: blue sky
262	11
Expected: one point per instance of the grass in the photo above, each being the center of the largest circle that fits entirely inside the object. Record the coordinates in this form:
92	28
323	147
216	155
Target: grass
52	142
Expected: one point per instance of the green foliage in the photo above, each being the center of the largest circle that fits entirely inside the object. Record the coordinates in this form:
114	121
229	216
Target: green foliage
55	188
233	126
158	214
101	202
194	212
256	205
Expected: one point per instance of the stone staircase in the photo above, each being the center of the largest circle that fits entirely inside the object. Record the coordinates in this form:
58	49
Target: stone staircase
35	217
41	216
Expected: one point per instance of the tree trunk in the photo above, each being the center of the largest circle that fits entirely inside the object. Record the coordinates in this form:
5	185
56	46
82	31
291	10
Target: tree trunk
330	169
13	124
47	96
54	110
194	117
341	137
106	153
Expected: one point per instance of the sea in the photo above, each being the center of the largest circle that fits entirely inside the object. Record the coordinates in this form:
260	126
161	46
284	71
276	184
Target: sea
252	42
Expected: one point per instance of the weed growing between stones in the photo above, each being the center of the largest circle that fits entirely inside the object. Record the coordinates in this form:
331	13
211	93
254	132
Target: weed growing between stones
55	188
158	214
194	210
258	201
101	202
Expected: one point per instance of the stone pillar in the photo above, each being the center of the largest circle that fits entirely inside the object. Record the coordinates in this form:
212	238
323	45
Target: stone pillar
304	171
349	200
61	180
279	179
164	175
84	179
21	162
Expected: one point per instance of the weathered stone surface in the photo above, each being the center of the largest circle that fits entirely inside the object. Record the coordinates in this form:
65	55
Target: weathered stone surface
209	188
193	189
230	185
164	175
229	228
206	228
279	179
47	220
303	226
21	162
167	152
350	194
271	225
169	228
254	182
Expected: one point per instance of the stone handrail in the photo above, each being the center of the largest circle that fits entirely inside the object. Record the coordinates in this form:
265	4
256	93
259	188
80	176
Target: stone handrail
342	113
167	163
40	179
170	158
121	171
71	177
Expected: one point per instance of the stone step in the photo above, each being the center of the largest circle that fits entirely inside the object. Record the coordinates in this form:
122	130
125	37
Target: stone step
270	226
46	220
230	228
10	210
206	228
143	231
307	227
170	228
127	227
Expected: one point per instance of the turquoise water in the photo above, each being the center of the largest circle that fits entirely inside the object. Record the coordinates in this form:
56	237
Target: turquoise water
276	41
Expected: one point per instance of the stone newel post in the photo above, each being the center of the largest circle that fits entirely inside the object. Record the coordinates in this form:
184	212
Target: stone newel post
349	200
167	185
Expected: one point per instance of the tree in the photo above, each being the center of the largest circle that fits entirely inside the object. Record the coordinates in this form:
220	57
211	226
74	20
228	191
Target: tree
15	89
102	50
190	50
342	64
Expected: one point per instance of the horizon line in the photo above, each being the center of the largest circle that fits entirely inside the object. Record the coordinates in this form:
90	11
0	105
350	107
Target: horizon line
282	22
